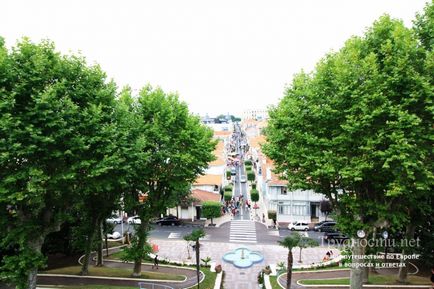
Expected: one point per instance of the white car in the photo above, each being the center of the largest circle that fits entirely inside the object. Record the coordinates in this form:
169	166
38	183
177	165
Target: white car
299	226
243	179
115	235
114	219
134	220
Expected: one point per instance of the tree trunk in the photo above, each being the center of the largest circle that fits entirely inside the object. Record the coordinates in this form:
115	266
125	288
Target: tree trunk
403	269
197	262
365	276
289	271
299	258
99	257
35	245
141	236
356	275
106	238
88	248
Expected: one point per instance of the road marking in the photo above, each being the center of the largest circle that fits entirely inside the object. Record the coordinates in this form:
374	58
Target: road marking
174	235
274	233
242	231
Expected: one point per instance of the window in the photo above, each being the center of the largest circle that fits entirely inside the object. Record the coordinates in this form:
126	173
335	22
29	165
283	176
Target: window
299	209
284	209
283	191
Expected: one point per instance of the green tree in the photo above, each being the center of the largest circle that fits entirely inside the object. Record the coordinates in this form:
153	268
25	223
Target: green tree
195	237
50	108
289	243
174	148
211	210
227	196
358	130
250	176
254	195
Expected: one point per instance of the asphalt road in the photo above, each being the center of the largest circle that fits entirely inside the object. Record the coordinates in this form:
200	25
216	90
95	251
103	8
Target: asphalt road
221	234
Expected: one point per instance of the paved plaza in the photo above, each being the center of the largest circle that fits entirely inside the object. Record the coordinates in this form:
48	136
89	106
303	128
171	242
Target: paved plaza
238	278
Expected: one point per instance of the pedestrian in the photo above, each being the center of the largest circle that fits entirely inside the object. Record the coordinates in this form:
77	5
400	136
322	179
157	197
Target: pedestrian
155	262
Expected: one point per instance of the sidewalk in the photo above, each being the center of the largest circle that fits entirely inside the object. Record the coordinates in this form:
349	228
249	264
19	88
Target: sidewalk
237	278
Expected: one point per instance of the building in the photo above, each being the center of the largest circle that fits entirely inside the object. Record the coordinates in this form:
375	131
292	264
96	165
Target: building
255	114
290	205
192	208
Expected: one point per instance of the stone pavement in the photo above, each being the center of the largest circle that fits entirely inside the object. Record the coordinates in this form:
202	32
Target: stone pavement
237	278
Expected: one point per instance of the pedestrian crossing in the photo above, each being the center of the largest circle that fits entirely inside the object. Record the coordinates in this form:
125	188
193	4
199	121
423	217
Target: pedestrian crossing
174	235
242	231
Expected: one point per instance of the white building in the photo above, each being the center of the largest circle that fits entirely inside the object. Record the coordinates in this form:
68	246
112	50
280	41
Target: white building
255	114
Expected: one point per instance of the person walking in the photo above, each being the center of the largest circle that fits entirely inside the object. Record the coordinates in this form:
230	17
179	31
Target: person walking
155	262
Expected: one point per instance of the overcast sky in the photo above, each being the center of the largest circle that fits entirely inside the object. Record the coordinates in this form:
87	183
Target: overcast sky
220	56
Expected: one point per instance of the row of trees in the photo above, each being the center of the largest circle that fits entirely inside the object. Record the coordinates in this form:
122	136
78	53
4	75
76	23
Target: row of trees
359	130
72	147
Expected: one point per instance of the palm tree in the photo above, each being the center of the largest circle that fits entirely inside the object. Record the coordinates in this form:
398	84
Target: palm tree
195	236
304	243
290	242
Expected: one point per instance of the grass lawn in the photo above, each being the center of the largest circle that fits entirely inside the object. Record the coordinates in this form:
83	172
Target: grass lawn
373	279
210	277
273	282
96	287
115	272
334	267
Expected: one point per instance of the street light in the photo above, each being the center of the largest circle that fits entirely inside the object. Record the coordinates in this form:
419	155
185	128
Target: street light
385	236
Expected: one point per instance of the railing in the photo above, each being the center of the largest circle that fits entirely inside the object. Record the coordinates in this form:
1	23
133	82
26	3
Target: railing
144	285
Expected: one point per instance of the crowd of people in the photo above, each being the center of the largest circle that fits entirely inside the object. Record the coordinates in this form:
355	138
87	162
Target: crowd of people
234	206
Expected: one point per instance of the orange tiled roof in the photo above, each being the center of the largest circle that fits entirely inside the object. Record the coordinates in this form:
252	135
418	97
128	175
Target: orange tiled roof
204	196
218	153
275	180
256	141
209	180
222	133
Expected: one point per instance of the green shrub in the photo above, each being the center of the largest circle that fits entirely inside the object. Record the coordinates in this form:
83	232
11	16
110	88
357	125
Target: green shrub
228	189
253	185
248	163
272	215
211	210
251	176
227	196
254	195
228	175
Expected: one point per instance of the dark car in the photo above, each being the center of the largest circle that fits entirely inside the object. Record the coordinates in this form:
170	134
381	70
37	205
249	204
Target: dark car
336	237
168	220
328	226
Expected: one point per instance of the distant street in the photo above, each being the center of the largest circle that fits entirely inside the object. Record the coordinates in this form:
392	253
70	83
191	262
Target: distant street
223	233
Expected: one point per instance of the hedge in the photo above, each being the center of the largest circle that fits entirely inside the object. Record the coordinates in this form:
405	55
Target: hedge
211	209
251	176
254	195
227	196
248	163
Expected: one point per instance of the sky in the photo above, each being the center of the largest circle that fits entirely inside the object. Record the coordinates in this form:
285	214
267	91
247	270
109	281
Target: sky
222	56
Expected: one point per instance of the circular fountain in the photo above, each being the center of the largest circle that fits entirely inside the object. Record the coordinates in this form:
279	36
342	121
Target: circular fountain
243	257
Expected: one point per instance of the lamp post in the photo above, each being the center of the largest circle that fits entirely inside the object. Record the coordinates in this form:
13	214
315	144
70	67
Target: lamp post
385	236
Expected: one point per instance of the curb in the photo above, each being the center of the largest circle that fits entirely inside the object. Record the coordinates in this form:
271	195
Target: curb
364	285
113	278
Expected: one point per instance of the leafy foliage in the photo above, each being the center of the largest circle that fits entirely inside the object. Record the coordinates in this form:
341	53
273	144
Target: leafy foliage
211	209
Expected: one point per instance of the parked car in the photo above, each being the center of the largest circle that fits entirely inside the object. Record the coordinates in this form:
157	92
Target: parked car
336	237
243	179
114	235
114	219
134	220
327	226
168	220
299	226
233	171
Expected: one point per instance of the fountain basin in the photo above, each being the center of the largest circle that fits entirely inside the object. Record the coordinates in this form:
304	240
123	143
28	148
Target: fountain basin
243	257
